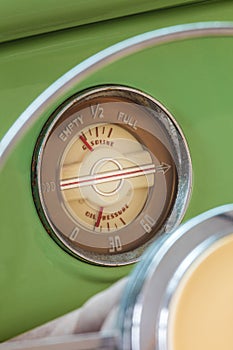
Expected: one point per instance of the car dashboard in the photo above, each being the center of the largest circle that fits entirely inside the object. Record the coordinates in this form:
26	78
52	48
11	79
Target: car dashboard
165	71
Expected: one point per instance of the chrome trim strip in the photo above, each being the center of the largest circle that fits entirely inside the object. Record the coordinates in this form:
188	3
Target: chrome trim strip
89	341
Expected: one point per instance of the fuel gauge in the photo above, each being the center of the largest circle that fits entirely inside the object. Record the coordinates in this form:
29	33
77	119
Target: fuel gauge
111	170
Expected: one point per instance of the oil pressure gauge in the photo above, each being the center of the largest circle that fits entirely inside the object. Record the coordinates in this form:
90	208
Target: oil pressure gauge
111	170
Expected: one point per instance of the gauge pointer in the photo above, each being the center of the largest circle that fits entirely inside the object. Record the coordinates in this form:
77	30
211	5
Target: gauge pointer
86	143
99	217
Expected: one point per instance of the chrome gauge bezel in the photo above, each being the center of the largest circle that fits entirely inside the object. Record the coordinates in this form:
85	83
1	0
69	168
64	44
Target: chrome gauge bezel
182	161
144	309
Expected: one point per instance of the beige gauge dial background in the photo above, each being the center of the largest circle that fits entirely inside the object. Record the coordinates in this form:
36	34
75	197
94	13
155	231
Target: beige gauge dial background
105	177
106	174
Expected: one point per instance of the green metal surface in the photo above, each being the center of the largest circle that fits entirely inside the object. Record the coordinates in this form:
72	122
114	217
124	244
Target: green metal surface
25	18
192	78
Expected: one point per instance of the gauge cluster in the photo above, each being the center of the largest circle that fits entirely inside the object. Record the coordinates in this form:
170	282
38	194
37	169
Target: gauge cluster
107	174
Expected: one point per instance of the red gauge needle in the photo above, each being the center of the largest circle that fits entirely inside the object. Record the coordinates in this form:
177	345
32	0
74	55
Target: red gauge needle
86	143
99	217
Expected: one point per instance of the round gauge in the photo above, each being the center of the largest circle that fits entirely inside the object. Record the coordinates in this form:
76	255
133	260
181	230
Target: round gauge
179	296
111	170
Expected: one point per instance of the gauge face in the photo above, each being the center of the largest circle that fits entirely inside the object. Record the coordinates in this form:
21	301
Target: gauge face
107	174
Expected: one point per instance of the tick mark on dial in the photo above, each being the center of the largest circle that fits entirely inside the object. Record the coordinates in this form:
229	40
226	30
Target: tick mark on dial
110	131
123	222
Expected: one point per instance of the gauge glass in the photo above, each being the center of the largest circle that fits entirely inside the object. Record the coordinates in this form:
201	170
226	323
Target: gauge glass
107	174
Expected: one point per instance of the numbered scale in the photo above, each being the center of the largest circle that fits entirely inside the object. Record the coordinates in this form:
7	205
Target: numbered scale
111	170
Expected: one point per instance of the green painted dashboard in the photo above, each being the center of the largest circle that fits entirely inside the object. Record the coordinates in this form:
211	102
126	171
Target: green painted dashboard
192	78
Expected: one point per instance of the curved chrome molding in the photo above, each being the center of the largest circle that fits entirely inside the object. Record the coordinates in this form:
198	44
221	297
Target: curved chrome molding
99	60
